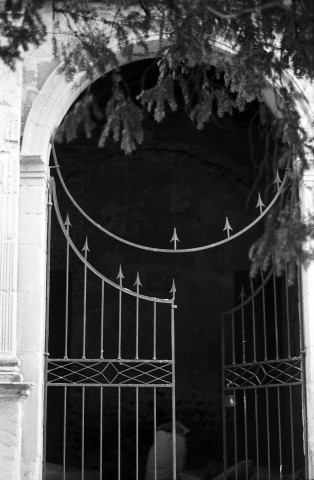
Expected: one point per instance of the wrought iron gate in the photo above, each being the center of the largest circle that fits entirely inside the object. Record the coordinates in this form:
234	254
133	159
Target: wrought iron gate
88	370
263	379
263	383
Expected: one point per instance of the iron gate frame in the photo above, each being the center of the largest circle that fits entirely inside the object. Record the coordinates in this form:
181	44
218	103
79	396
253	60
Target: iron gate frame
59	372
264	374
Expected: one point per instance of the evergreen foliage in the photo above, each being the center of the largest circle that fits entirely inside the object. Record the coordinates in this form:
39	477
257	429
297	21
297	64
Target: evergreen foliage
21	25
267	38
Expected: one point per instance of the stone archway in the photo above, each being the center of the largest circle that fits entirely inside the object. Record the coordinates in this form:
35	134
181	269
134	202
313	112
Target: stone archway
48	109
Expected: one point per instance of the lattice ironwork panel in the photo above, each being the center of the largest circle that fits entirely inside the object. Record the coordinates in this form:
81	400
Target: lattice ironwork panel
110	372
258	374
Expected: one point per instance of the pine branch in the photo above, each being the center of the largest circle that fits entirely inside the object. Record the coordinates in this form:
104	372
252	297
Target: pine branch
244	11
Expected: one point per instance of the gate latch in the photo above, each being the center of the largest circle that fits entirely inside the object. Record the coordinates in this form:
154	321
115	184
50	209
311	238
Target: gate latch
229	401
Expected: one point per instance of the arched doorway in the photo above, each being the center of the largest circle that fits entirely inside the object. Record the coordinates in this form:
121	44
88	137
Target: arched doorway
48	110
172	175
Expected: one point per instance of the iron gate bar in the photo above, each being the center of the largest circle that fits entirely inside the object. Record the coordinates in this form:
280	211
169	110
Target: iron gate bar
154	334
137	416
233	340
287	310
302	354
245	433
47	303
276	313
64	428
243	331
119	433
264	281
155	433
83	433
279	432
253	319
102	310
120	277
138	284
236	434
292	431
174	436
168	250
67	225
257	432
85	250
268	432
101	432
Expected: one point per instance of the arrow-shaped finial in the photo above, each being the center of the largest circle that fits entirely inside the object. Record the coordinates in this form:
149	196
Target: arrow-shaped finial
137	282
67	222
227	227
277	181
85	248
173	289
120	274
260	204
175	238
242	294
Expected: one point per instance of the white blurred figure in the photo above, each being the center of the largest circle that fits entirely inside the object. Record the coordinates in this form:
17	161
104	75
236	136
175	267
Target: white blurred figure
164	452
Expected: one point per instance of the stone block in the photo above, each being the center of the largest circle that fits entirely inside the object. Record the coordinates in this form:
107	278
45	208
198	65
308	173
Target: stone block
10	438
32	365
33	199
32	229
32	425
31	322
32	267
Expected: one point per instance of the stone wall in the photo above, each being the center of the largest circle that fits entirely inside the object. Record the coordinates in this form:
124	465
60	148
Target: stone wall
12	388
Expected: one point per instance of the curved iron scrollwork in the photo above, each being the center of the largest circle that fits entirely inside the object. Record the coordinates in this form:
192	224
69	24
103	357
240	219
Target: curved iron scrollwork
227	228
87	264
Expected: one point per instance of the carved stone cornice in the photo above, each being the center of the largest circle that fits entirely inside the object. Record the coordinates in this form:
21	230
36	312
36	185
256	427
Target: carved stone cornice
12	390
33	169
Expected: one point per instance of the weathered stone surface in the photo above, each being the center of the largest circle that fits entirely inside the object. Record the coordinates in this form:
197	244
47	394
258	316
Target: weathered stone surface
12	390
10	113
10	438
